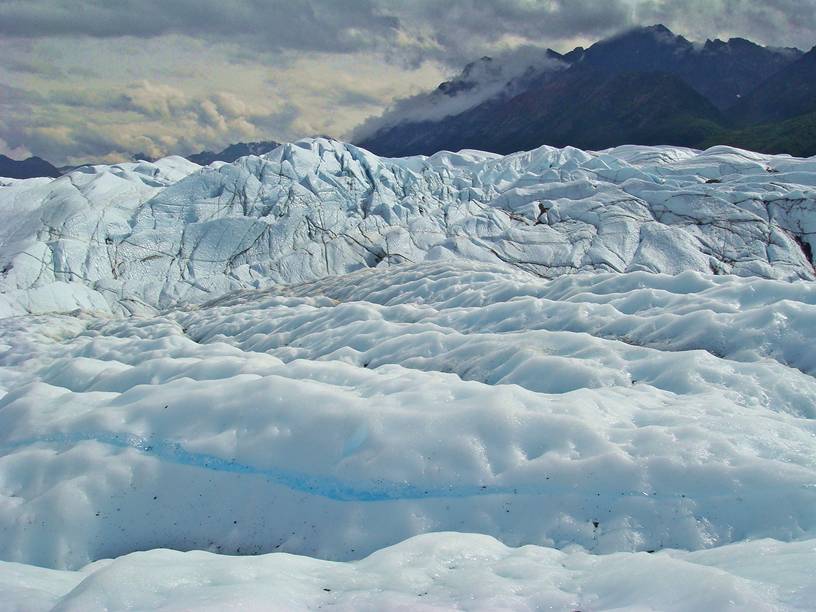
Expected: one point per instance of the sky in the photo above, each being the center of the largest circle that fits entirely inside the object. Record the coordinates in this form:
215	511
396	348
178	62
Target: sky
102	80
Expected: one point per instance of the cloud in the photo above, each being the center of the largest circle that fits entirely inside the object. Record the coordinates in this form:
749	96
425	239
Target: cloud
95	78
146	117
481	80
461	30
349	97
273	24
405	31
161	98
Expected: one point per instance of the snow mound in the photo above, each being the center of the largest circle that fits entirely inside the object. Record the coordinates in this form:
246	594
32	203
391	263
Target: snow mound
618	412
136	237
441	571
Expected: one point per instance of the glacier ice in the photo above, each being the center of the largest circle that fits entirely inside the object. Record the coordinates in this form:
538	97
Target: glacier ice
361	410
629	373
432	572
136	237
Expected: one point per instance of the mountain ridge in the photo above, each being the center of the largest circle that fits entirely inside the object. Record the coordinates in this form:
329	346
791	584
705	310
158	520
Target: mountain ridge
789	93
723	73
32	167
232	152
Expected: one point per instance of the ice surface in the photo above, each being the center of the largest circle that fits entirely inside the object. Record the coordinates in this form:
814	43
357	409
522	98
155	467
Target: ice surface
134	237
280	389
340	416
430	572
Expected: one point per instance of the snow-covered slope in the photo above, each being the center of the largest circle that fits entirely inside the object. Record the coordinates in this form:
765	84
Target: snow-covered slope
647	438
139	236
446	571
618	412
58	238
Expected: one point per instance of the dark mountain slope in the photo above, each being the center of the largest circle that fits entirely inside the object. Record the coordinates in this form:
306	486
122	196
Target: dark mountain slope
233	152
645	86
795	136
583	108
723	71
28	168
787	94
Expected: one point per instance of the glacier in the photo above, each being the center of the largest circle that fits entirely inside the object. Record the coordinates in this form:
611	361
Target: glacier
568	379
133	238
431	572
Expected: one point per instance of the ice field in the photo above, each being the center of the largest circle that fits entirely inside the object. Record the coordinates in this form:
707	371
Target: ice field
556	379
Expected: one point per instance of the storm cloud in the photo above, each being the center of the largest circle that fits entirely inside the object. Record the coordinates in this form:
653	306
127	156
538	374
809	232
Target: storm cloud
438	28
96	78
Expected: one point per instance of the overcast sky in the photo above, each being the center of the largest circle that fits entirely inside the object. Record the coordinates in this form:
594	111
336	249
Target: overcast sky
103	79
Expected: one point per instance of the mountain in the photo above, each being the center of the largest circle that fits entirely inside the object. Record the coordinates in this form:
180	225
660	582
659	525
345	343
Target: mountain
28	168
722	71
481	81
637	108
233	152
203	158
796	136
788	93
646	86
36	167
